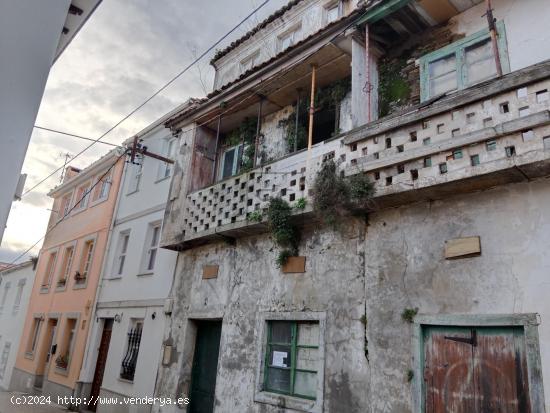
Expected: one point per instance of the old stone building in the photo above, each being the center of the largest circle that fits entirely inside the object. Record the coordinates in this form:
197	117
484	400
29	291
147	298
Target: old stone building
436	301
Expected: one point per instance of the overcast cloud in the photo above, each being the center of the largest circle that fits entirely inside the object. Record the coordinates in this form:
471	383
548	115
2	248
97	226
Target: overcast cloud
126	51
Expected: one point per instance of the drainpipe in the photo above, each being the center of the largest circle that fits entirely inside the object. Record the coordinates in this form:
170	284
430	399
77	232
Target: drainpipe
493	30
311	108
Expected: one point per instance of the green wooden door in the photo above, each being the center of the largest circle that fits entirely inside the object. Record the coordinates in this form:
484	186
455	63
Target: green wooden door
205	367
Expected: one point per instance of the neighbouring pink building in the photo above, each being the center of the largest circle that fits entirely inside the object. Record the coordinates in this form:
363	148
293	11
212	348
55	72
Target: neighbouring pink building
67	277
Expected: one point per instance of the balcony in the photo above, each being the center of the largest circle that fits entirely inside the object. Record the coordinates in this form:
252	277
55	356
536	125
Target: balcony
491	134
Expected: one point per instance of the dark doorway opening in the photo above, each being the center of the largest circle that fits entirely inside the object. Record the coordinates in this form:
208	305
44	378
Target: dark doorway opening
205	367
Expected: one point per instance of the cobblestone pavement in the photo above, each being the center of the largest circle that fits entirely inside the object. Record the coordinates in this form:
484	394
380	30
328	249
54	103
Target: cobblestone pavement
8	404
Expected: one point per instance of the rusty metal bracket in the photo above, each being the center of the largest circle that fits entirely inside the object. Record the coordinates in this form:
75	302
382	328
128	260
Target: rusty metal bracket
471	340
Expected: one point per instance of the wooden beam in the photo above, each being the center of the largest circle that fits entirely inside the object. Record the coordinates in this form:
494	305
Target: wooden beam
382	10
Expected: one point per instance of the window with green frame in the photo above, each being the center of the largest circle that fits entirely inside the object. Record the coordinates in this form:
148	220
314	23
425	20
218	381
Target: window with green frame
462	64
292	358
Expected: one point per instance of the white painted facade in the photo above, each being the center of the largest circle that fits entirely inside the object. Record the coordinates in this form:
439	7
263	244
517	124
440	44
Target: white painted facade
31	38
15	290
132	290
300	22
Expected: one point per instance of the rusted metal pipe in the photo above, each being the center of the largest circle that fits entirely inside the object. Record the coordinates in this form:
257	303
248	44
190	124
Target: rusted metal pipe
311	107
494	41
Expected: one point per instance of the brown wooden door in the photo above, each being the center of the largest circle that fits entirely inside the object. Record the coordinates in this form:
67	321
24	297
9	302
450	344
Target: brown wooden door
475	370
101	362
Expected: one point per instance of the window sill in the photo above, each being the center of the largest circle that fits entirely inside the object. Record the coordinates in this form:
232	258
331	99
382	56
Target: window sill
62	371
80	286
163	179
98	201
141	274
125	380
113	277
133	192
44	290
29	356
289	402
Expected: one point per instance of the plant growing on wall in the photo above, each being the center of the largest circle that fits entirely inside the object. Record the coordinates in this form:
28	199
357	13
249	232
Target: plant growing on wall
336	197
284	232
393	87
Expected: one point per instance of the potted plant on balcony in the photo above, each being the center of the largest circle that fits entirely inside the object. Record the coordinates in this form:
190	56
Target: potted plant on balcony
61	282
78	277
62	361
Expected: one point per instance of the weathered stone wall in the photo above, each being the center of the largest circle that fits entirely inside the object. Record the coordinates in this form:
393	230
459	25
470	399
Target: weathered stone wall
249	283
405	268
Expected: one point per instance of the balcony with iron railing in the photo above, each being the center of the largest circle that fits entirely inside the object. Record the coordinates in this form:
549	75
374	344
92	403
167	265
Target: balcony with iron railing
494	133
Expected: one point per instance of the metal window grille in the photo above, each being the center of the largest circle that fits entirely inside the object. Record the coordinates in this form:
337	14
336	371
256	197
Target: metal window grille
130	359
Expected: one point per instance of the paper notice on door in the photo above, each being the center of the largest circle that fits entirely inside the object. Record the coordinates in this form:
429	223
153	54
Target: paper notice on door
279	359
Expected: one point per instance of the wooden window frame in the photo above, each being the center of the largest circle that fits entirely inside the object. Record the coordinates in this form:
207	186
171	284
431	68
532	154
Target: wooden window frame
457	48
293	403
85	263
294	346
121	252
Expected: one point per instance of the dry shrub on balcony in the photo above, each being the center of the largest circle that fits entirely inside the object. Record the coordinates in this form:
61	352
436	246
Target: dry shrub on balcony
284	232
336	197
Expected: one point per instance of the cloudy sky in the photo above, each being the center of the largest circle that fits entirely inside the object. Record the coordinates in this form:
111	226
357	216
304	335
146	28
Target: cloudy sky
126	51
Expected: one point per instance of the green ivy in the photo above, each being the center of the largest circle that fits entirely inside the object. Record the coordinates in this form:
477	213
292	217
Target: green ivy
393	88
284	232
335	197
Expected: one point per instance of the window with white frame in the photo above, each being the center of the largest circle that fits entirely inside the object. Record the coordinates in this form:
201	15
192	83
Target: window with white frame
82	197
35	333
332	12
291	358
4	359
65	206
288	38
18	296
65	270
85	262
122	249
462	63
49	271
250	61
7	287
134	177
103	186
230	161
168	150
152	245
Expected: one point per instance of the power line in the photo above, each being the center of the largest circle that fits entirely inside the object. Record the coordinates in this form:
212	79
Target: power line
84	195
153	95
74	136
